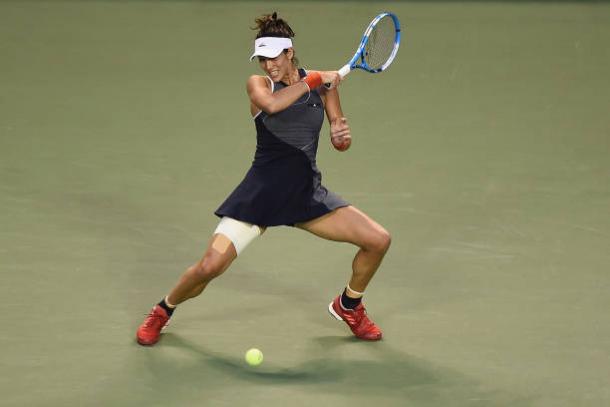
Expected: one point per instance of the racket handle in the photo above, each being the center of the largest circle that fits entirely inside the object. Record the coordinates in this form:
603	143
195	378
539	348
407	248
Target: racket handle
345	69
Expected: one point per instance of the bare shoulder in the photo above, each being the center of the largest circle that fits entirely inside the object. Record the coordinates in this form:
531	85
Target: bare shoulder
256	78
257	81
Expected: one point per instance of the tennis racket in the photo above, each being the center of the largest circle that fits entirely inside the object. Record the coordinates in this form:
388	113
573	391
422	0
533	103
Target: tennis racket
378	47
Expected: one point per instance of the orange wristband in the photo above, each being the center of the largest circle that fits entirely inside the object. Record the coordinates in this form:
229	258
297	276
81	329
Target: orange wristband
313	79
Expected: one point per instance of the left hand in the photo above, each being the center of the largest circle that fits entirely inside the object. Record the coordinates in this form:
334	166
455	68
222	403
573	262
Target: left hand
331	78
340	134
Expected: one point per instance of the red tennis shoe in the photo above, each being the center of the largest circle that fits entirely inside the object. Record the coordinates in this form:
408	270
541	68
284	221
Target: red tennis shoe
150	330
356	319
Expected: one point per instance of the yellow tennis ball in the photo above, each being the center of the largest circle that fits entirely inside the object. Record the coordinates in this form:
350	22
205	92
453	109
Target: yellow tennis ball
254	357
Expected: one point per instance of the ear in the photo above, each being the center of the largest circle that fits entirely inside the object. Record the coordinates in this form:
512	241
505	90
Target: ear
290	53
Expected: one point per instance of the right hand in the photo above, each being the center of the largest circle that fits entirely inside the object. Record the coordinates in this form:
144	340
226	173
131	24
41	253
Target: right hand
340	135
330	77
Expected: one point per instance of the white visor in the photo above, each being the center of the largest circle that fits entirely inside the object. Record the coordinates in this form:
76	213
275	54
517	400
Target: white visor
270	47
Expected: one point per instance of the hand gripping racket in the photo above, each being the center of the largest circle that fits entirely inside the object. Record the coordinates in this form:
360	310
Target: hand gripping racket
378	46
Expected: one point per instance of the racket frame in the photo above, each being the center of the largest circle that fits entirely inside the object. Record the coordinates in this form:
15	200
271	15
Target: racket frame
359	55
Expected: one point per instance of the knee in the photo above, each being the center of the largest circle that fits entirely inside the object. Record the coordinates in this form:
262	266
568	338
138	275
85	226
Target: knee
206	270
379	241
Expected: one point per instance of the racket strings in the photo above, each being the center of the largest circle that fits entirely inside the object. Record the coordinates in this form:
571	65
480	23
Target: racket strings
380	45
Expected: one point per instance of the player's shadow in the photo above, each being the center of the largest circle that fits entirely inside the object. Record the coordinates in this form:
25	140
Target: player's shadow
238	368
386	371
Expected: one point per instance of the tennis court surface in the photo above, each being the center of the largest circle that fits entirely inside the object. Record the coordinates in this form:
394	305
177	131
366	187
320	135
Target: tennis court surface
484	150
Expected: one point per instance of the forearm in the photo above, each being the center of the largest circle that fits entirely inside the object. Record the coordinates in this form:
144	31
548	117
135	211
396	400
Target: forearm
332	104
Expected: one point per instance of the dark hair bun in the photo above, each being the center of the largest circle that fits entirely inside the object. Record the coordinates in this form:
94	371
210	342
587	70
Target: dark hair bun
269	25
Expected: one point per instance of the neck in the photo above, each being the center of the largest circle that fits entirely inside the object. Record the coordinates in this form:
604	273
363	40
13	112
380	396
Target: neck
291	77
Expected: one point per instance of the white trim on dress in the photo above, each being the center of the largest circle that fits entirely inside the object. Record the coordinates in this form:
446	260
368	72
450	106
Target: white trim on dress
272	89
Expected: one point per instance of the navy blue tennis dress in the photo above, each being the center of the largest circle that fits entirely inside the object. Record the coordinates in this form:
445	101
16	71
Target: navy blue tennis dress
284	185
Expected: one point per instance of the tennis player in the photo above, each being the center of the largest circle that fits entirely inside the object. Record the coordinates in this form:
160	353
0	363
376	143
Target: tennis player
283	186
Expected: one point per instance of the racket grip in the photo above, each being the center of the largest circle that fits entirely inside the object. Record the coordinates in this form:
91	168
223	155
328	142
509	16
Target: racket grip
345	69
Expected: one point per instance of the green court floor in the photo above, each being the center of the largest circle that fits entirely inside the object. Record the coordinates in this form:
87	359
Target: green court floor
484	150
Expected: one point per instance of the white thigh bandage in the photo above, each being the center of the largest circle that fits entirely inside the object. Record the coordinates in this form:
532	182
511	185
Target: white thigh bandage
239	233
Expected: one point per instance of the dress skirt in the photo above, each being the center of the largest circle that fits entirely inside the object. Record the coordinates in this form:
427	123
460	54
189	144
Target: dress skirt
286	193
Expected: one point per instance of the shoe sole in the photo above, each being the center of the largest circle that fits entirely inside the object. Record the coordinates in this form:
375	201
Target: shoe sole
332	312
146	343
152	343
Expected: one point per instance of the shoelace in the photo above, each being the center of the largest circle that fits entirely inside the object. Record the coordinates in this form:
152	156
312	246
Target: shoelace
152	318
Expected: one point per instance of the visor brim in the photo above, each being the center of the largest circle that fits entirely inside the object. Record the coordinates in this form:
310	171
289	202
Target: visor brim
267	53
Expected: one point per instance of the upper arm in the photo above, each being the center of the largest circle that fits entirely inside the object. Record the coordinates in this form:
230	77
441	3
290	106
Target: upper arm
259	92
263	98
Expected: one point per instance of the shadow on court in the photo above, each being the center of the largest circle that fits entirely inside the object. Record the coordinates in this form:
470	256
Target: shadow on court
392	374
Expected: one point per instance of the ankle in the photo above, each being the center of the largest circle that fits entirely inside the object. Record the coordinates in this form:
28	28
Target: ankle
167	306
348	302
350	292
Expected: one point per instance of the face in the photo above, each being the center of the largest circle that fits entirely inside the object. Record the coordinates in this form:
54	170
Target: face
278	67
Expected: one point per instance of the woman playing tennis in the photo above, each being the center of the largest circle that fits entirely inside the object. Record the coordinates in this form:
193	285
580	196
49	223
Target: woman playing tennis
283	186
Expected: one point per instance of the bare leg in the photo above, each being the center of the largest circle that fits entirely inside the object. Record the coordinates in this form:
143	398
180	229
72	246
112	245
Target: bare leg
217	258
351	225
